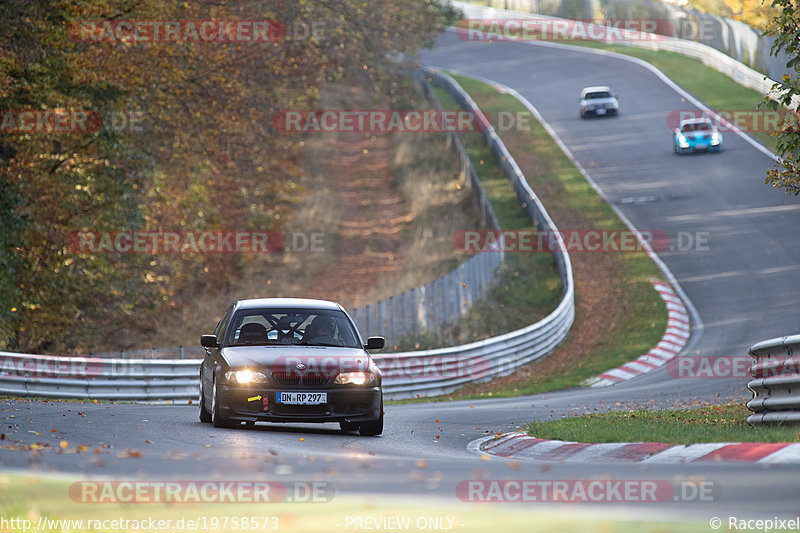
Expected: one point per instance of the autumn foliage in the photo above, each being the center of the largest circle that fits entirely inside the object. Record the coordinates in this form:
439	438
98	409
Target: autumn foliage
186	143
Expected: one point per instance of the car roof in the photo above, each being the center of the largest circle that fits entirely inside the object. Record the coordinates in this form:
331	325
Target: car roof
595	89
696	121
287	303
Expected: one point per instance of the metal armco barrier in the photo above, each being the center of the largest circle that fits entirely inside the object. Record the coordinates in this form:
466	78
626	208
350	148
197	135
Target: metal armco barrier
406	375
776	387
91	378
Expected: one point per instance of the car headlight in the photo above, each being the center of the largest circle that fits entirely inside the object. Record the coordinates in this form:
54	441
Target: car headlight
715	138
245	376
355	378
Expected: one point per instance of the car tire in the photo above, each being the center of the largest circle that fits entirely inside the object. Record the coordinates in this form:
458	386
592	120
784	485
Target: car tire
216	418
583	115
348	426
375	427
205	415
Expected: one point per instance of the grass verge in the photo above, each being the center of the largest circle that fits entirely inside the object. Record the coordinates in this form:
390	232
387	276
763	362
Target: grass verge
714	423
27	498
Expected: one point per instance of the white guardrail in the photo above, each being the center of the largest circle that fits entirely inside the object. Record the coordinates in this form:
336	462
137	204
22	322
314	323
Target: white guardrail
406	375
711	57
776	383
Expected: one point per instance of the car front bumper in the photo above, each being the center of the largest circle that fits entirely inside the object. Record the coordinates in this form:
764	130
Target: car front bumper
344	404
699	146
599	112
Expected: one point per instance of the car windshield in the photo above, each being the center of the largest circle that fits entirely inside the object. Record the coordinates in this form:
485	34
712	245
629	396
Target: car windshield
597	95
305	327
696	126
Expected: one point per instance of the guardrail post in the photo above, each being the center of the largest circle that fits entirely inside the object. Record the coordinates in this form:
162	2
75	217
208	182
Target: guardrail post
445	300
422	308
392	328
381	317
181	350
403	313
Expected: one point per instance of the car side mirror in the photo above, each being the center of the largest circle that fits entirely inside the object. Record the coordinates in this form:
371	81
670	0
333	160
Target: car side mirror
375	343
209	341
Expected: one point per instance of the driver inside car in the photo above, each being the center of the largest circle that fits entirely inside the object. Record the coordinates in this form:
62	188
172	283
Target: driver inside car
321	331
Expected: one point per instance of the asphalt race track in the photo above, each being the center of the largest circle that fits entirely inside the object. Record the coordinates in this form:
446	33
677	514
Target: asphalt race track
743	287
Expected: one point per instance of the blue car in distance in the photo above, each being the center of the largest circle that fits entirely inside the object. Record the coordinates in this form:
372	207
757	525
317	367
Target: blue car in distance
696	134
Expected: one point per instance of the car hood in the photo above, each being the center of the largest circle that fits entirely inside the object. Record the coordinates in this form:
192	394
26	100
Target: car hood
697	134
286	358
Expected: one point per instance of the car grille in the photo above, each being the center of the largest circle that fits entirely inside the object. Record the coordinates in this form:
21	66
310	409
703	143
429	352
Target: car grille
295	379
285	379
317	379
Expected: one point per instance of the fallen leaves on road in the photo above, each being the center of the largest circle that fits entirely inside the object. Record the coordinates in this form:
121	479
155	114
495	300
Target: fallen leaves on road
128	453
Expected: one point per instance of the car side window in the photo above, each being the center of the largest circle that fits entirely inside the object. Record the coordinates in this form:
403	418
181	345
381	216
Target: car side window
223	325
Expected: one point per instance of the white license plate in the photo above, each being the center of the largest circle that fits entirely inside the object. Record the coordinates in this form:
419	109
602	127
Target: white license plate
601	111
302	398
700	146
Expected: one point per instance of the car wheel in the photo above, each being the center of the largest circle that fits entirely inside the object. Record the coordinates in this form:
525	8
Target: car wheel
369	429
216	418
205	415
348	426
583	115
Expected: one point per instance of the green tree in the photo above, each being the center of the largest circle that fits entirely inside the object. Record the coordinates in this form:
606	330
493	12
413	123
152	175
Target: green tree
785	28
